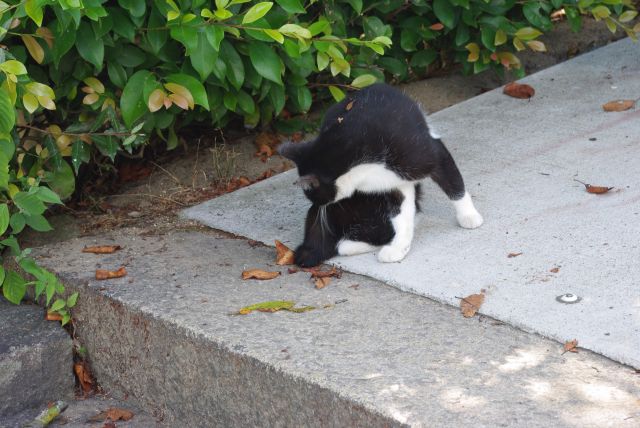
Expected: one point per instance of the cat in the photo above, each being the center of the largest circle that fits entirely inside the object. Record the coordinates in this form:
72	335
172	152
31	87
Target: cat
355	225
377	140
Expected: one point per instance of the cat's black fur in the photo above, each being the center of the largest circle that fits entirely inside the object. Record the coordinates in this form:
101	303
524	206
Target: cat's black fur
378	124
362	217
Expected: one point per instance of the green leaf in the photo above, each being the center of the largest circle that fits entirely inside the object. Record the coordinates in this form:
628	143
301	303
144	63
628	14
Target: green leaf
80	153
37	222
117	74
14	287
364	80
34	10
132	103
203	57
337	93
107	145
29	204
2	275
445	12
14	67
65	38
246	103
71	300
215	35
90	48
235	67
12	243
423	58
266	62
194	86
7	112
257	11
291	6
627	16
277	98
17	223
4	218
57	305
4	170
46	195
63	181
356	5
600	12
274	34
301	98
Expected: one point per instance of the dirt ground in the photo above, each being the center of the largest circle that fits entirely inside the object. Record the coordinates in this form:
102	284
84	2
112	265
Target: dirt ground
215	164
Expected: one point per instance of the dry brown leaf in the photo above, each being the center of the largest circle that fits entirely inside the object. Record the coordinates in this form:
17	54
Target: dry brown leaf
117	414
284	255
52	316
596	190
437	26
619	105
259	274
322	282
267	139
83	373
349	106
264	151
471	304
317	272
108	274
555	270
243	181
512	255
519	90
102	249
571	346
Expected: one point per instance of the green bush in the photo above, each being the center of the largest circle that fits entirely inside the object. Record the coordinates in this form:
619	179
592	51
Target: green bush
82	80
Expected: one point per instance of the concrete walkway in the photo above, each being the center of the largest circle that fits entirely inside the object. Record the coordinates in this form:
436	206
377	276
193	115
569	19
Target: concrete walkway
520	159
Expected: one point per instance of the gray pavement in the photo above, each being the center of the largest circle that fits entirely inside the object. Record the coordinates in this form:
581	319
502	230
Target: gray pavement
519	159
166	335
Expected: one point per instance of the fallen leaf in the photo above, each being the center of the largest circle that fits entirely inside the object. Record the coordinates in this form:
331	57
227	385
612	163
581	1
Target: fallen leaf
266	174
243	181
117	414
259	274
571	346
264	151
83	373
597	190
52	316
102	249
322	282
267	139
271	306
512	255
555	270
284	255
107	274
519	90
437	26
619	105
471	304
316	272
349	106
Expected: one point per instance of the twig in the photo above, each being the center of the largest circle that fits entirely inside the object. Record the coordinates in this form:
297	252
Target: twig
173	176
44	131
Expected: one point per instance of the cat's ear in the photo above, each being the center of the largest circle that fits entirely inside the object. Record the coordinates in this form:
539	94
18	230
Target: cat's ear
293	151
308	182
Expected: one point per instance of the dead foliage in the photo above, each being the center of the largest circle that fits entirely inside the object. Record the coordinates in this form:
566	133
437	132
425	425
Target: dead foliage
102	249
259	274
102	274
519	90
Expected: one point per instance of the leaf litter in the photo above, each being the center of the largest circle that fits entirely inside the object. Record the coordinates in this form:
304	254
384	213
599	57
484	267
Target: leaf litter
596	190
83	372
102	249
470	305
519	90
619	105
322	282
570	346
259	274
284	255
102	274
113	414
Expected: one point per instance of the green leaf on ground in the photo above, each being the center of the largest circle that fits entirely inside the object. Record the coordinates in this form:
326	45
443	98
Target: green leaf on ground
274	306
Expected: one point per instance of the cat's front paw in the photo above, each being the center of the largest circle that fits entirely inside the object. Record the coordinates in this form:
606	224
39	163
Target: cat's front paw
392	254
470	220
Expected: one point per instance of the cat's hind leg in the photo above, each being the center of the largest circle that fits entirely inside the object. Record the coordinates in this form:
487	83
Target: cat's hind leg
447	176
346	247
403	224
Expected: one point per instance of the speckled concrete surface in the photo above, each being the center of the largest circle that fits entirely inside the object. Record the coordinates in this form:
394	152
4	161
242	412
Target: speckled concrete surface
519	159
166	335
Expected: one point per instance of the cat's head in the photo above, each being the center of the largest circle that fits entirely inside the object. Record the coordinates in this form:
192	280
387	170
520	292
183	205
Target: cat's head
318	187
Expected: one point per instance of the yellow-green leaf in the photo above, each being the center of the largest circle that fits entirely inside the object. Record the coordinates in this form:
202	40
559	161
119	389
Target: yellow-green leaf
364	80
223	14
38	89
600	12
30	102
611	25
94	84
34	10
257	11
156	100
295	30
517	43
322	60
337	93
474	52
46	102
14	67
172	14
206	13
627	16
501	38
182	91
34	48
536	45
274	34
528	33
383	40
90	99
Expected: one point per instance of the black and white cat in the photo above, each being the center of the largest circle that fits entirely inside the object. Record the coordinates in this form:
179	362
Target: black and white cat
377	143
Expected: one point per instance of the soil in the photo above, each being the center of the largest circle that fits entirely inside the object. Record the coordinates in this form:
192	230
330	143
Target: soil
149	194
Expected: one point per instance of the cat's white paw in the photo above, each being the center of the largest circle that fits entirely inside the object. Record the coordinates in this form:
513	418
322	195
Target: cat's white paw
470	220
392	254
351	248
